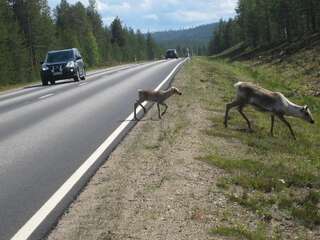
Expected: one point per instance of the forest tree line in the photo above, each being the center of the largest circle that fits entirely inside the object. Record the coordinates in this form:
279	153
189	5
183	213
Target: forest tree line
195	39
261	22
28	29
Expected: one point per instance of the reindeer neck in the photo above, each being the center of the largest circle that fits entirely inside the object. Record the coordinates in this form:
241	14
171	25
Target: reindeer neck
167	93
293	109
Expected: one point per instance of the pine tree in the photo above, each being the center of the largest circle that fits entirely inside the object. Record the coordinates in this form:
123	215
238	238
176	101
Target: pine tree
34	18
117	32
151	53
141	43
13	54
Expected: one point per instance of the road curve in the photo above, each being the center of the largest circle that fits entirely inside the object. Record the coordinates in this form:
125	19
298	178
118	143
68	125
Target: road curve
47	133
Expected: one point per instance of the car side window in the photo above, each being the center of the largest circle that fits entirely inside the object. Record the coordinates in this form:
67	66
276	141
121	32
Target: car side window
78	54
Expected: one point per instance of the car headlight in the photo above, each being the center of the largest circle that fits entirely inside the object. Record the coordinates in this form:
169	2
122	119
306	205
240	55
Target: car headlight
45	68
70	64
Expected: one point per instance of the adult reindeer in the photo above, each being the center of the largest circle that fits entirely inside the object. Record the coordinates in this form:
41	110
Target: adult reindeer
267	101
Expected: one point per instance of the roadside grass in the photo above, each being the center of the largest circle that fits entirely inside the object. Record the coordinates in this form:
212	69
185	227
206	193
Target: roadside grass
278	178
9	87
242	232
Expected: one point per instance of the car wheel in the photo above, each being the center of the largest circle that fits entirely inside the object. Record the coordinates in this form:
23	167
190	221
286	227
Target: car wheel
44	81
77	76
52	82
83	75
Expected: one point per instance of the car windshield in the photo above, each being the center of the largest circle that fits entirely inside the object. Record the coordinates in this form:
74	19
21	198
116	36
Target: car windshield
62	56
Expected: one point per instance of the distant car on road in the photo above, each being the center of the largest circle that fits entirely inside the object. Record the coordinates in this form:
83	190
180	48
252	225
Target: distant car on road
62	64
171	53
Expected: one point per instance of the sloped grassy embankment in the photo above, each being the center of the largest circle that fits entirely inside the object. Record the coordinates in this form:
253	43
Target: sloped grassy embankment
274	177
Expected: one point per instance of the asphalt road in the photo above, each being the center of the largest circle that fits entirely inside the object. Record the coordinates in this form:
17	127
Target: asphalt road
46	133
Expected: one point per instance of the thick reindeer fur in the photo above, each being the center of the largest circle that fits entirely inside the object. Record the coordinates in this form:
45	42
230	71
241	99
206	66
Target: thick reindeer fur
266	101
154	96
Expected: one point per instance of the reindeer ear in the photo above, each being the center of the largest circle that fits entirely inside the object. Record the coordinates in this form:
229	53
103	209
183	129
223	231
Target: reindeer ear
305	108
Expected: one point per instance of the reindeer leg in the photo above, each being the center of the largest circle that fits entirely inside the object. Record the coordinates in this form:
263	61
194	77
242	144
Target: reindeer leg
240	109
158	106
228	107
165	110
144	109
281	117
137	103
272	124
134	111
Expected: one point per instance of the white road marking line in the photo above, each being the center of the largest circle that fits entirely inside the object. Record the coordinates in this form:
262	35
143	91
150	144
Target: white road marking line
31	225
46	96
81	84
107	71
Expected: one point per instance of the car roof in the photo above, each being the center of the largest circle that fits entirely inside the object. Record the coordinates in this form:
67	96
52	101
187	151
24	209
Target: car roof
62	50
171	50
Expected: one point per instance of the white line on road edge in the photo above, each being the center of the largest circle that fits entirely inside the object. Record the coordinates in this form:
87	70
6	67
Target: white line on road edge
31	225
81	84
46	96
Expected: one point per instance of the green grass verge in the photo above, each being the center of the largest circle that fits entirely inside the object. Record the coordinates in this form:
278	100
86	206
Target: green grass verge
242	232
273	172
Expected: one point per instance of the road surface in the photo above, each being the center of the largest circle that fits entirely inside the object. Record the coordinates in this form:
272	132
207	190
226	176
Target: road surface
47	133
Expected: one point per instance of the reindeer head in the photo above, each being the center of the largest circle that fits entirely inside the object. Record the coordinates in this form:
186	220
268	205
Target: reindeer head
306	114
176	91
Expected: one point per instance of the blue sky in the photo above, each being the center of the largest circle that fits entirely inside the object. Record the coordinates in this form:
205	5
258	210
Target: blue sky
155	15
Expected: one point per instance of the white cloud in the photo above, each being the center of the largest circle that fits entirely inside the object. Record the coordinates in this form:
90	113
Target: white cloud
145	5
163	14
116	8
108	20
101	6
192	16
151	17
84	2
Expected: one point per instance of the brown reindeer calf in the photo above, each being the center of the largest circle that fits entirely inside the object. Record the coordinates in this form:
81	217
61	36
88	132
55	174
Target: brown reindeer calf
155	96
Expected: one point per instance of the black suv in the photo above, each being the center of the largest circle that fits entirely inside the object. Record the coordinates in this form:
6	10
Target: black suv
171	53
62	64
